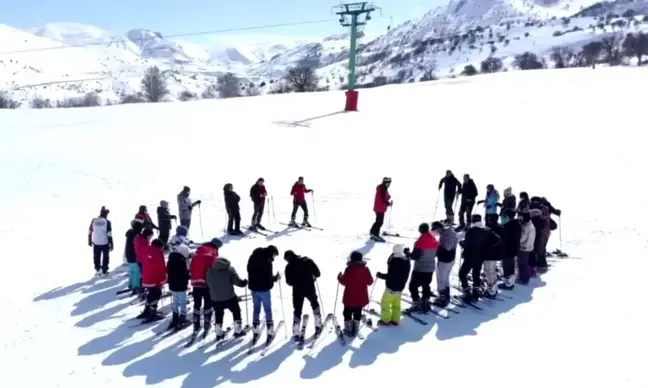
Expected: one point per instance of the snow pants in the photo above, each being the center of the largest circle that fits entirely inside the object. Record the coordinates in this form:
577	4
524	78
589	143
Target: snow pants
508	265
232	305
262	299
258	213
448	201
470	266
298	306
524	269
352	314
420	280
540	250
164	235
443	275
202	300
375	228
153	295
134	276
296	206
390	306
179	299
185	222
465	211
490	270
233	220
101	256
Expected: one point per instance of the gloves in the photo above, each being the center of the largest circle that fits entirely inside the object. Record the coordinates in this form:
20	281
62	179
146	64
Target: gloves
391	203
89	243
339	275
558	212
245	282
480	202
380	275
174	217
110	247
277	277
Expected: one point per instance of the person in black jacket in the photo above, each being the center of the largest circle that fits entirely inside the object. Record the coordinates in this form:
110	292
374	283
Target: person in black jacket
260	281
134	275
258	195
469	195
445	254
398	270
451	189
233	210
494	253
301	273
512	233
474	246
164	221
178	278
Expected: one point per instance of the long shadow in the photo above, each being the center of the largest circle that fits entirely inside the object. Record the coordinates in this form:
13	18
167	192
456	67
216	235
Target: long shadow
328	358
287	231
89	286
101	296
306	122
102	315
367	247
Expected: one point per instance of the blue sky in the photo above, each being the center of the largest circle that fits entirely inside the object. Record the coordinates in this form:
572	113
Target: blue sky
174	16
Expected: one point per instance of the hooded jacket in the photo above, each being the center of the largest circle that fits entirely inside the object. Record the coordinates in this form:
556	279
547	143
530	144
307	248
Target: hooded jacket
184	206
475	243
141	247
382	198
259	269
177	273
355	279
424	253
164	218
398	270
469	191
512	233
301	273
129	249
202	261
154	272
448	241
451	186
221	279
527	237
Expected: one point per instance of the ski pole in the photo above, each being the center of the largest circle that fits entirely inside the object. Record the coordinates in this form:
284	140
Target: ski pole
247	309
321	300
202	238
313	200
389	222
283	312
337	292
274	216
560	231
436	206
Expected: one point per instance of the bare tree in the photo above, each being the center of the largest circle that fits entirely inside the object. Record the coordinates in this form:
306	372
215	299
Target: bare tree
186	95
636	45
491	65
591	53
40	103
154	85
6	102
429	72
229	85
612	48
135	98
562	56
469	70
302	77
87	100
528	61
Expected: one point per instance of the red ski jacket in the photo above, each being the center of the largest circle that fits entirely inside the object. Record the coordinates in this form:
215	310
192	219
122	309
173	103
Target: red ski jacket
381	202
154	273
201	263
142	246
356	279
299	191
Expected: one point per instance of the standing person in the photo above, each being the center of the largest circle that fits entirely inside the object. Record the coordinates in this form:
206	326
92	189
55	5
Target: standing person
134	274
233	210
538	261
469	195
143	215
202	261
494	252
527	241
356	279
398	270
180	238
474	245
523	205
382	201
423	255
178	277
298	193
508	203
512	233
221	279
451	190
301	274
185	206
258	195
154	277
491	202
445	254
101	241
142	244
164	221
261	279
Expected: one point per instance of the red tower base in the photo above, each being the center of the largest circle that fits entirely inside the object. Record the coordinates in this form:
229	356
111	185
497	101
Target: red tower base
351	101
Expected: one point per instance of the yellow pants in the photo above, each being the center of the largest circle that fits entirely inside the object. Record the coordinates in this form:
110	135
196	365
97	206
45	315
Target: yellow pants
390	306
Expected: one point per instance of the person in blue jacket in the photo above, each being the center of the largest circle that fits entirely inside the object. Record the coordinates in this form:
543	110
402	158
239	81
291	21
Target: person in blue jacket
491	202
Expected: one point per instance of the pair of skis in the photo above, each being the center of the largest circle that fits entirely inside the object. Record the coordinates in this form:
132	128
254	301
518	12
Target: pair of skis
297	226
269	339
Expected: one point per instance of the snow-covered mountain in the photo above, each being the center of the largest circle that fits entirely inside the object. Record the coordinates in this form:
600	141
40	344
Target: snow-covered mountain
448	38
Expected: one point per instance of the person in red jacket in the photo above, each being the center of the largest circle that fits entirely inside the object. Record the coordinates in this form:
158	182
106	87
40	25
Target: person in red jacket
381	202
144	216
142	244
204	258
298	192
154	276
355	279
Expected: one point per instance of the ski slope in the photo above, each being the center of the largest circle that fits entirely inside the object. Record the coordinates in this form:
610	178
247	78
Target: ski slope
544	132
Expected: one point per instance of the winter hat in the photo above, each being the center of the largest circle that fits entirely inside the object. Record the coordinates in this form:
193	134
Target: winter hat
508	191
227	187
186	189
215	242
142	209
137	227
289	255
164	204
158	243
147	232
182	230
524	195
272	250
424	228
355	257
490	187
386	180
536	199
436	225
399	251
103	212
535	213
183	250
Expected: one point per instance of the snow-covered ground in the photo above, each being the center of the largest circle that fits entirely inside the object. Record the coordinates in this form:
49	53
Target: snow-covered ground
544	132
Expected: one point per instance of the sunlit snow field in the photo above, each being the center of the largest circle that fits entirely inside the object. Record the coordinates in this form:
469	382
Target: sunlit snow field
574	136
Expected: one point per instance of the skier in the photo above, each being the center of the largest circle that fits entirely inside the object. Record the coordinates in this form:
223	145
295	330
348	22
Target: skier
221	279
180	238
134	274
549	225
185	206
538	260
142	244
261	279
153	278
233	210
451	190
474	245
494	252
445	254
143	215
382	201
491	202
523	205
398	269
301	274
469	194
509	202
101	241
527	241
178	277
355	279
164	221
423	255
298	192
258	195
512	232
201	262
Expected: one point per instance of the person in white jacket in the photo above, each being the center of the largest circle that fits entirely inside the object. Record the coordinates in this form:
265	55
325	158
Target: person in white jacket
527	241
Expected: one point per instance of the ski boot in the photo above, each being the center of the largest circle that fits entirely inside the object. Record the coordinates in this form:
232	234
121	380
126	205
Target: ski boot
443	300
196	322
174	321
491	292
256	332
220	333
377	238
270	333
543	269
145	313
507	284
260	227
238	330
306	224
348	328
467	295
182	320
97	273
153	315
477	293
296	330
208	317
293	224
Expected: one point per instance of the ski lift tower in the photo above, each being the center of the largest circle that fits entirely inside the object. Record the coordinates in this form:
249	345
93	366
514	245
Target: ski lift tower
353	15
